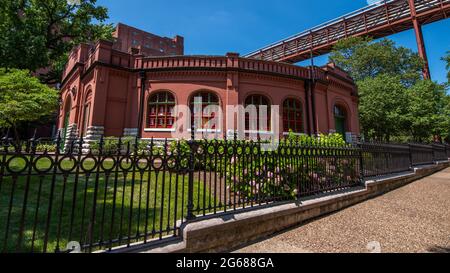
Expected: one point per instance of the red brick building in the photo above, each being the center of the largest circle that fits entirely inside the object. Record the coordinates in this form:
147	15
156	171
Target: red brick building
114	89
148	44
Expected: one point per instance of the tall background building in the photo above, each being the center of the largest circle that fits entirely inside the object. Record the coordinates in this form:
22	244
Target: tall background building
148	44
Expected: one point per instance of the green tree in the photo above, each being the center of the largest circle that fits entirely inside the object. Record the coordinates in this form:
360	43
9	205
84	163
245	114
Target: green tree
39	34
447	114
382	106
427	112
395	102
446	58
363	57
23	98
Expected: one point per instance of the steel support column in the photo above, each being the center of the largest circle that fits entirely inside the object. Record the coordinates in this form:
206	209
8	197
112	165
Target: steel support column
420	40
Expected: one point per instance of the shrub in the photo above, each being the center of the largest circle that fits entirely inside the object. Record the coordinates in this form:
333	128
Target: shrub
51	148
251	172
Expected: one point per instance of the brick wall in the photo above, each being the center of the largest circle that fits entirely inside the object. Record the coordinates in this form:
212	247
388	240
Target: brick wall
149	44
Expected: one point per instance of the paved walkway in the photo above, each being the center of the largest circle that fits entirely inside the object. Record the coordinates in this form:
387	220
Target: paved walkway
414	218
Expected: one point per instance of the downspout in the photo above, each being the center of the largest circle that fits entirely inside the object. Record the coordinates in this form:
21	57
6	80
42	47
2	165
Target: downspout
308	117
313	106
143	77
312	90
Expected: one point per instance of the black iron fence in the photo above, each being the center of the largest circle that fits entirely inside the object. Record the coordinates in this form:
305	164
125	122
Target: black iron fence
120	192
383	159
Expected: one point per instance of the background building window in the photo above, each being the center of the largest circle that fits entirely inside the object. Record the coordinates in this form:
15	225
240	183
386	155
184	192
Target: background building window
207	99
160	108
292	116
257	101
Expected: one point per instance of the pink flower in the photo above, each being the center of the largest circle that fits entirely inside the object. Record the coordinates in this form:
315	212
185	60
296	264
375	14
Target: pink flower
277	181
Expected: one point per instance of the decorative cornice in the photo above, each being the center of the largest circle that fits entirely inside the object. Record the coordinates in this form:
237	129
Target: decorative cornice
218	64
71	72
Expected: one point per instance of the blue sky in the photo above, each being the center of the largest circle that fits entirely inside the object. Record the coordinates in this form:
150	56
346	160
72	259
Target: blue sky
214	27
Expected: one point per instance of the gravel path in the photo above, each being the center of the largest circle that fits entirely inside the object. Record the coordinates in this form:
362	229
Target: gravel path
414	218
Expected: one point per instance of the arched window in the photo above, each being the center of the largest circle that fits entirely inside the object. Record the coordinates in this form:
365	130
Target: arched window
258	101
66	119
67	111
198	103
160	108
292	116
340	119
87	112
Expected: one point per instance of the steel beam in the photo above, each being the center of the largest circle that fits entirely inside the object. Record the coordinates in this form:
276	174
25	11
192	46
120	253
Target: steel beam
419	40
378	20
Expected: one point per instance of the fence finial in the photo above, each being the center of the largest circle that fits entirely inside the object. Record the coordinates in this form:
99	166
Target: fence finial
7	134
58	141
34	134
80	145
136	139
119	146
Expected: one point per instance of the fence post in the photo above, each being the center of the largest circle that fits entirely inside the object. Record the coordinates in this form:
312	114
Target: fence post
433	148
190	203
361	162
410	157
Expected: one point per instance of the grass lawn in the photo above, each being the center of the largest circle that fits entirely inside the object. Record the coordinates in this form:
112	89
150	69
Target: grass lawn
127	205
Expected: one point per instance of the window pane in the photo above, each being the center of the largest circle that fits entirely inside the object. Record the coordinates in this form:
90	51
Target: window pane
292	114
207	99
160	105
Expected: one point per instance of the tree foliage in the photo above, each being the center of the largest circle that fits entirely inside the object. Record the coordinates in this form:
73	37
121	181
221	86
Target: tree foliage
427	112
446	58
39	34
23	98
363	58
395	102
381	106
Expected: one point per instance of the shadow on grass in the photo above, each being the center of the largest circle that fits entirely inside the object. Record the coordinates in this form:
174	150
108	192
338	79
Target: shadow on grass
102	210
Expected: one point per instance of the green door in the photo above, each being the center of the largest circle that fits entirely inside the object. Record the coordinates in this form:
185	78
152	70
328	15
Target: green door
64	131
340	125
339	120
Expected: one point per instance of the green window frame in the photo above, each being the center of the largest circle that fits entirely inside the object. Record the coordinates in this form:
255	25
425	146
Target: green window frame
257	101
208	99
293	116
160	110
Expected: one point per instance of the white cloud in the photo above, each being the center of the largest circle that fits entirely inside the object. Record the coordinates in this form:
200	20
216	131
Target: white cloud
371	2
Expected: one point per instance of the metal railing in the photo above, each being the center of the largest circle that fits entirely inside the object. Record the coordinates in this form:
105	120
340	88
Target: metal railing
115	193
383	159
378	20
